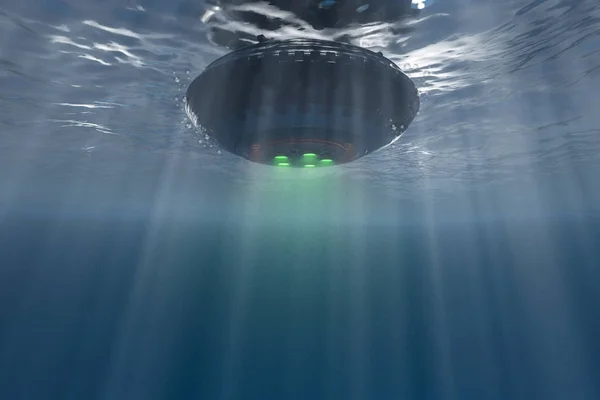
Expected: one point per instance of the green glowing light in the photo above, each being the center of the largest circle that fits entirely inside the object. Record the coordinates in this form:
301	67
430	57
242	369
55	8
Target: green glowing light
282	164
280	159
309	166
326	162
309	158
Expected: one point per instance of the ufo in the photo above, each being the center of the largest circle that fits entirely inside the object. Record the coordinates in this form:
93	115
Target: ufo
302	102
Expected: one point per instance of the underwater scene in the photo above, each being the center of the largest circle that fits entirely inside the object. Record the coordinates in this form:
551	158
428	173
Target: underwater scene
299	200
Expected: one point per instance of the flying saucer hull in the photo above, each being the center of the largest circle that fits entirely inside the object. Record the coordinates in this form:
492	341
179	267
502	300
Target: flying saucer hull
288	98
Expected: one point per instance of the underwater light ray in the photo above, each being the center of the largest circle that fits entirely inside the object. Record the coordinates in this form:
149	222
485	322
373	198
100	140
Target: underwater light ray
437	316
360	324
548	308
238	312
149	289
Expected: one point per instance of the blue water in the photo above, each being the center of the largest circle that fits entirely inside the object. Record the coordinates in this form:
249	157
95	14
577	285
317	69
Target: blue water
138	261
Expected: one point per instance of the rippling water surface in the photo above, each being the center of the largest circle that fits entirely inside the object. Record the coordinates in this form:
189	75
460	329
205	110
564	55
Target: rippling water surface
93	91
143	262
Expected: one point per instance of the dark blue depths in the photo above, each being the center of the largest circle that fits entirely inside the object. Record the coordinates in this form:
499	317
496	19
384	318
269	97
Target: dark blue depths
114	310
